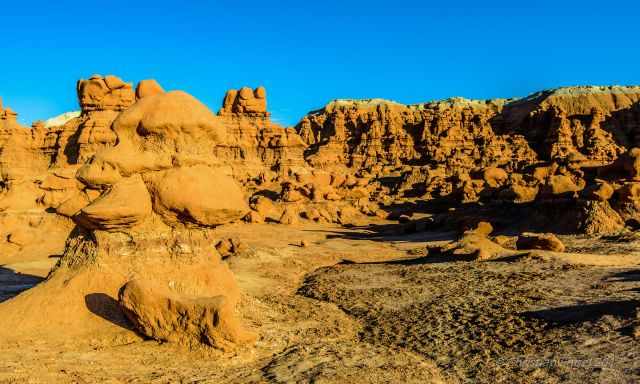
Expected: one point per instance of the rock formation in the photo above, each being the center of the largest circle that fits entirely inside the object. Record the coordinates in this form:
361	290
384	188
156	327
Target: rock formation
377	132
27	187
246	101
171	160
544	241
595	123
256	144
164	315
38	164
140	194
101	99
159	190
475	244
551	145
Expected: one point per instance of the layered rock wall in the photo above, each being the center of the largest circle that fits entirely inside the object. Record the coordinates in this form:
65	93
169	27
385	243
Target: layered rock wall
589	123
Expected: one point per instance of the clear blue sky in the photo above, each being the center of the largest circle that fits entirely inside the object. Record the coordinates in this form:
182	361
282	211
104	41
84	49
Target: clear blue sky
309	52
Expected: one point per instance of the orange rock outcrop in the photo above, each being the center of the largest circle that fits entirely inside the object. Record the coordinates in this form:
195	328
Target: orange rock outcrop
256	144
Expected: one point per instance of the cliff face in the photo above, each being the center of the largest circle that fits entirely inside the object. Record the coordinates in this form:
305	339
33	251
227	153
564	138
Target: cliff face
451	133
576	145
591	123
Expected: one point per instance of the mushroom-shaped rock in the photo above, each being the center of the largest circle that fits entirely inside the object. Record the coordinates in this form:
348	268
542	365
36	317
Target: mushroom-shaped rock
164	315
123	206
162	129
198	195
483	228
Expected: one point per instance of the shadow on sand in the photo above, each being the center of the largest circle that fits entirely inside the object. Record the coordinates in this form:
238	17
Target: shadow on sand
106	307
12	283
577	314
404	232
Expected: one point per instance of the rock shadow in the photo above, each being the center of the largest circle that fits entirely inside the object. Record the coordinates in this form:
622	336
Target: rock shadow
434	258
405	232
13	283
578	314
106	307
626	276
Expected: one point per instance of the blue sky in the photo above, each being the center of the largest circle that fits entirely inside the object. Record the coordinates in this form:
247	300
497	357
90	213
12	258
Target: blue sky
309	52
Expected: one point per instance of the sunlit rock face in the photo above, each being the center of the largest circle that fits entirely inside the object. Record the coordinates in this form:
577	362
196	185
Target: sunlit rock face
256	144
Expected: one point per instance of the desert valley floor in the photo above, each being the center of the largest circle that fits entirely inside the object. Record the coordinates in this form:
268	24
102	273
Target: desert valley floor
368	304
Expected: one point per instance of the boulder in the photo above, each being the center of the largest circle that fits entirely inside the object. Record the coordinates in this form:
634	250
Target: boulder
126	204
543	241
558	185
164	315
474	246
198	195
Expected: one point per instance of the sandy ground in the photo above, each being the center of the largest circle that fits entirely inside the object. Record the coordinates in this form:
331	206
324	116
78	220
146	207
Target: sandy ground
367	305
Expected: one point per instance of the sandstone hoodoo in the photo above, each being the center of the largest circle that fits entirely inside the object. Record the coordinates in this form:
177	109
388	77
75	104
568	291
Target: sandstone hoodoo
256	144
101	99
148	220
246	101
